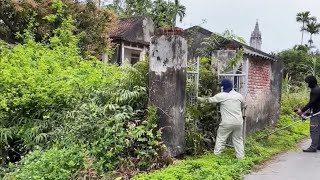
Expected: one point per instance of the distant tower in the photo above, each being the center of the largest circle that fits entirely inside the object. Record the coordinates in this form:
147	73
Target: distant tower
256	40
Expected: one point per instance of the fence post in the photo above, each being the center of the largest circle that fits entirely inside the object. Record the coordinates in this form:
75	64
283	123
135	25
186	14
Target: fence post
198	77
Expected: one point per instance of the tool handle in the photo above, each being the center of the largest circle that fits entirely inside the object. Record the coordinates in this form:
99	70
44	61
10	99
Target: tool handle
312	115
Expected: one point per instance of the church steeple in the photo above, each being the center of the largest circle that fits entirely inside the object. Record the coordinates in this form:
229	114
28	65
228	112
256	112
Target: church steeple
256	40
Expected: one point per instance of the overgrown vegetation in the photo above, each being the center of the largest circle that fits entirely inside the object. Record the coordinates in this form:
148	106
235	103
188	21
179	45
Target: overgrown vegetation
203	119
91	22
299	62
163	13
202	124
65	115
69	117
258	149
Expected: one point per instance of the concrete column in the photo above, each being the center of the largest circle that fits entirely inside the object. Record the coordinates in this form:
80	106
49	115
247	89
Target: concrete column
167	88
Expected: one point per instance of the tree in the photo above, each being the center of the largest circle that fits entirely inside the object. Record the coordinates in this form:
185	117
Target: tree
180	11
299	62
304	18
313	28
137	7
163	13
117	5
301	48
92	23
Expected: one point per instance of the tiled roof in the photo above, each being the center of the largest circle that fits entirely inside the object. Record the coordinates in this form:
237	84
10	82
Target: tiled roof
126	27
248	50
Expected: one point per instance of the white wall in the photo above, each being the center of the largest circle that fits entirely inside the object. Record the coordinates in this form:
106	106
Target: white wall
129	52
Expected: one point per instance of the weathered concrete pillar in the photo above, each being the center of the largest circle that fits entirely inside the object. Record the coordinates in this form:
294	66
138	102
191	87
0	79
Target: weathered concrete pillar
167	86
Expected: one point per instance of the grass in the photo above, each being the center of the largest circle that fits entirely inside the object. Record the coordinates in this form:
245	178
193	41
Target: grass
226	166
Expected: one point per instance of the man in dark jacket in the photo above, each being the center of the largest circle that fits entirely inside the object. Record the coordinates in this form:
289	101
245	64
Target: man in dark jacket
314	107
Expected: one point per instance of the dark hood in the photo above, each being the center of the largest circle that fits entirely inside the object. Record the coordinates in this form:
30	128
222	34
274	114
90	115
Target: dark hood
312	81
226	85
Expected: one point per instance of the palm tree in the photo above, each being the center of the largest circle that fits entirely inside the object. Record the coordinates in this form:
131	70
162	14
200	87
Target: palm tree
117	5
304	18
137	7
165	13
179	10
313	28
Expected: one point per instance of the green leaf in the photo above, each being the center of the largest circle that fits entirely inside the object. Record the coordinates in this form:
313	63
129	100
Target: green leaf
71	163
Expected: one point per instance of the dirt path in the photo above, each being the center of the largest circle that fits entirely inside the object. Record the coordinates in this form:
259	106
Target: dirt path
293	165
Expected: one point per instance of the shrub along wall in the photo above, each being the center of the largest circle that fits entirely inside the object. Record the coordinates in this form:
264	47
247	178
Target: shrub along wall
202	120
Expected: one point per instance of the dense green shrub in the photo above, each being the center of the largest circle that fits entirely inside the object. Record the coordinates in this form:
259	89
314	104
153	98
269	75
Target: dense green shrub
299	63
39	81
208	78
51	164
85	117
202	120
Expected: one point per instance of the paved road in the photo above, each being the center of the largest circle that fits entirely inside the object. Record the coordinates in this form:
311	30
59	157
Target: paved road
294	165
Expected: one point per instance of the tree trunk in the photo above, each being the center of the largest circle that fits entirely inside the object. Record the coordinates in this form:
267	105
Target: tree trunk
302	33
310	41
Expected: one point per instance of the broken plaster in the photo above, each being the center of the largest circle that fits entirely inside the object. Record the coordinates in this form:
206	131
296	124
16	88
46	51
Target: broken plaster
167	52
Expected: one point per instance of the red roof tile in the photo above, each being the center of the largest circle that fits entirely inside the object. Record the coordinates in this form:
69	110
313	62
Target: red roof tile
125	25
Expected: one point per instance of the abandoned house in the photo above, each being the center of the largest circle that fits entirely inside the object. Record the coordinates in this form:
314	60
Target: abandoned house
258	76
131	38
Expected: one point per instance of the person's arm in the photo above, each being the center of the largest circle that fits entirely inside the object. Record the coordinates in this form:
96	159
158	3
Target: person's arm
243	102
203	100
216	99
314	98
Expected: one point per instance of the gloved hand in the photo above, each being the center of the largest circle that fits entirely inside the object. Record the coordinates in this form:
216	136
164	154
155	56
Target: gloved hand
200	99
304	117
298	111
307	114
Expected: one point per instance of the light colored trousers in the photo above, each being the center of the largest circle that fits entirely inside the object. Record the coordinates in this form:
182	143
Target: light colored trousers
224	132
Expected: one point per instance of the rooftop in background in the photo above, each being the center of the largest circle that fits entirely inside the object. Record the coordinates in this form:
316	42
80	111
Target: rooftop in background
130	29
248	50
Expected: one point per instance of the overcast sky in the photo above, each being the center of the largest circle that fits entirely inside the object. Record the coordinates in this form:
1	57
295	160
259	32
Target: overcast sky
277	19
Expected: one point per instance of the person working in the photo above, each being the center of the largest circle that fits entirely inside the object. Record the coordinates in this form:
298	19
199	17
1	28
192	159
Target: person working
231	103
314	107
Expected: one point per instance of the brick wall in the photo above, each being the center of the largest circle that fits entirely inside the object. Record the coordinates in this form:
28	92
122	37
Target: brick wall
261	103
258	77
